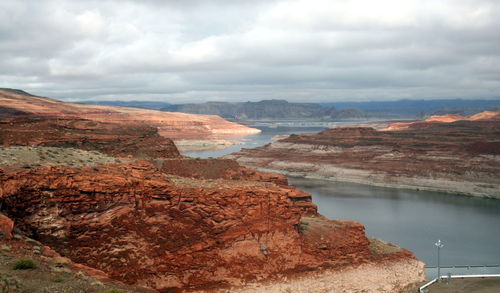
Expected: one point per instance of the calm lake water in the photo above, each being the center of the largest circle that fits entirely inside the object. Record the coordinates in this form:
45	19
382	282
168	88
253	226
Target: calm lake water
469	227
253	141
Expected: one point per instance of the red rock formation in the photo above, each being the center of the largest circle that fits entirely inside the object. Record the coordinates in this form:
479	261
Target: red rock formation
169	222
144	227
114	139
218	169
459	157
448	118
171	125
6	226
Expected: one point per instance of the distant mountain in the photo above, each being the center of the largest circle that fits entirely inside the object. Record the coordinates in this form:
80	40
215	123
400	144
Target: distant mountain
132	104
269	110
420	108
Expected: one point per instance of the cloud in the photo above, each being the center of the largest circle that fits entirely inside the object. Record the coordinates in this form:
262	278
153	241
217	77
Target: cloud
182	51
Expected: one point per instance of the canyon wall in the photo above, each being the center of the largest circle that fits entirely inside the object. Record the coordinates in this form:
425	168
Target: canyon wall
124	204
163	231
461	156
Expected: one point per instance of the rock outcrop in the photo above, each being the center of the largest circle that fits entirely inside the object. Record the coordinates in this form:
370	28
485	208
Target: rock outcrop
120	202
140	141
160	230
172	125
6	226
459	156
491	116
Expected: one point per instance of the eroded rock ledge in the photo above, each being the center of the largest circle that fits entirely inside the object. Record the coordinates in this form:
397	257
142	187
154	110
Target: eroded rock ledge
459	157
153	229
155	219
15	103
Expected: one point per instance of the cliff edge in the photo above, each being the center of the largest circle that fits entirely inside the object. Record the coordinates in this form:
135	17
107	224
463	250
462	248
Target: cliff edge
120	204
17	103
447	154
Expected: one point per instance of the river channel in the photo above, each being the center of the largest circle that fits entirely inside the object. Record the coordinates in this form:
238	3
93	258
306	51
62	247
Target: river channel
469	227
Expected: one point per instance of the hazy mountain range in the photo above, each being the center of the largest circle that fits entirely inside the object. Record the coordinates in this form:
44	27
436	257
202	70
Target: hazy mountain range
284	110
420	108
268	109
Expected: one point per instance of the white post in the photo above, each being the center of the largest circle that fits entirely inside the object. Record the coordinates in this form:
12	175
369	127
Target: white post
439	245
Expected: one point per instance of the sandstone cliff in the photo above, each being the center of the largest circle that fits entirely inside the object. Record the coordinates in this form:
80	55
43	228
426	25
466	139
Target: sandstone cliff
171	125
121	203
161	230
461	156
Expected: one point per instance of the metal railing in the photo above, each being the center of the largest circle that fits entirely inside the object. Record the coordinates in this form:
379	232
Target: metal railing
421	289
464	266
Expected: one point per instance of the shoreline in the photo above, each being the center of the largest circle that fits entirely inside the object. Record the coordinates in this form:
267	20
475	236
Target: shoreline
384	276
377	184
199	145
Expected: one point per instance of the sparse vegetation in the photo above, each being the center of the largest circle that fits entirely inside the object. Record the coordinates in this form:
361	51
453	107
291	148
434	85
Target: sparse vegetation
47	277
379	247
113	291
33	156
303	225
24	264
57	278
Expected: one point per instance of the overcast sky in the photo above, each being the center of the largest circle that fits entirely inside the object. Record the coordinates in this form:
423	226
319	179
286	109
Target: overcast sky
230	50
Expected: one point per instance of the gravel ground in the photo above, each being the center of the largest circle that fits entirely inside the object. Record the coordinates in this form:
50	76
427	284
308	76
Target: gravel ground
30	156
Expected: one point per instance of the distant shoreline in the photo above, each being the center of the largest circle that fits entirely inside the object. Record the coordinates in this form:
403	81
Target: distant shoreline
386	184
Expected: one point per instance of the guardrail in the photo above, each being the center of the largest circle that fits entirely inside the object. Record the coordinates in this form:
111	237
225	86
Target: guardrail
421	289
464	266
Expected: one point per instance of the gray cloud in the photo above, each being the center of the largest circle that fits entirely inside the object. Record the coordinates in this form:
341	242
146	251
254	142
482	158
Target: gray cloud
322	50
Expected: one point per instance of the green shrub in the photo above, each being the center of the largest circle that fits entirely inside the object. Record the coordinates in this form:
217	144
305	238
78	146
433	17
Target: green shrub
24	264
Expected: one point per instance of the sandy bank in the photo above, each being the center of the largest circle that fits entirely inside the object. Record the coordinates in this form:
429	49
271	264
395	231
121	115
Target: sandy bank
389	276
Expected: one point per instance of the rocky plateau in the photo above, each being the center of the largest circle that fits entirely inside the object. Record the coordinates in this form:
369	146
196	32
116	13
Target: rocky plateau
118	202
15	103
447	153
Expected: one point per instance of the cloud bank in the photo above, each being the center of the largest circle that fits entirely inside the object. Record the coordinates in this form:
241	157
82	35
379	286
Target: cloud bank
304	50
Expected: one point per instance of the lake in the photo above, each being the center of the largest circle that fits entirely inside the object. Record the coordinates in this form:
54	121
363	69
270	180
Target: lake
254	140
469	227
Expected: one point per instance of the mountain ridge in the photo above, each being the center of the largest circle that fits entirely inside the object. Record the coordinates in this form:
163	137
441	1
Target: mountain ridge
274	109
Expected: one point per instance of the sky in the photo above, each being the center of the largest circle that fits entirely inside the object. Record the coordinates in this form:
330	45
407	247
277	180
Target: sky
229	50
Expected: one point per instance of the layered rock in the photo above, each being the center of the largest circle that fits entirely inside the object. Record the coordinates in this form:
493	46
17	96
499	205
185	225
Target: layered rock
171	125
134	210
459	157
139	141
163	231
432	120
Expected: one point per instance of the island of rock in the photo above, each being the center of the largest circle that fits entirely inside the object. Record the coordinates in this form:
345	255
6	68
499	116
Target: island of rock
447	153
119	203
